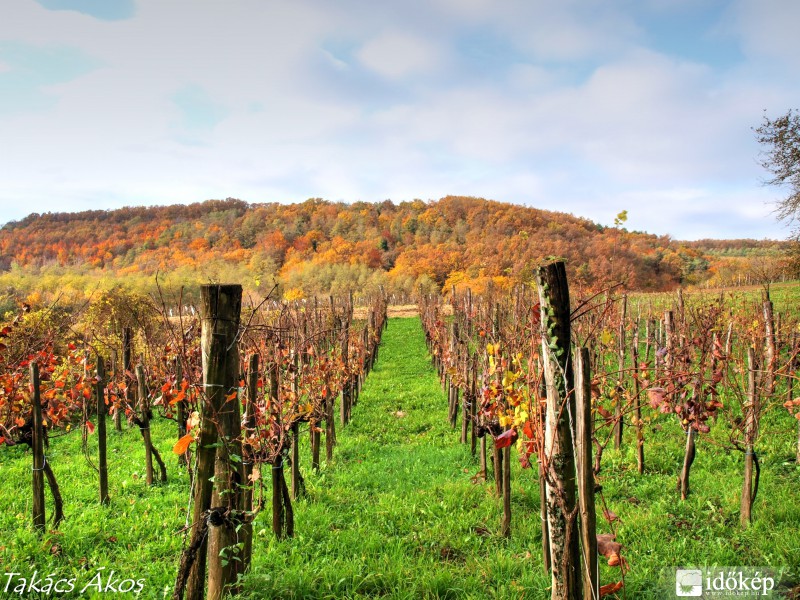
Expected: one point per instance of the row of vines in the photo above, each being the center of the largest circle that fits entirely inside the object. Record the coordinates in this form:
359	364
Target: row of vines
244	385
564	379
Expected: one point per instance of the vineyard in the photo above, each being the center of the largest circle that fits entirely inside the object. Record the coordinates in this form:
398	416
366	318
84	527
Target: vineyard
540	445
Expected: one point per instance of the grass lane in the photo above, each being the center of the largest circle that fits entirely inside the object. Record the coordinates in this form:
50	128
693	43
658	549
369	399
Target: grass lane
396	515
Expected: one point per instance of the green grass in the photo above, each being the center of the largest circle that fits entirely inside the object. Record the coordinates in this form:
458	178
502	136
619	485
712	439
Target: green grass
785	298
396	514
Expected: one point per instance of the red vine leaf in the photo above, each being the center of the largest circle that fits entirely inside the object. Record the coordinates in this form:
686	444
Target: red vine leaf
505	439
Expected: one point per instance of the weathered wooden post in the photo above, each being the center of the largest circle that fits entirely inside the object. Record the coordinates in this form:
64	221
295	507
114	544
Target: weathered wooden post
250	425
193	557
102	460
127	369
297	484
144	424
583	458
541	392
560	460
669	341
620	374
505	524
114	367
150	451
40	465
38	451
466	401
344	406
770	351
750	432
217	481
472	372
637	401
221	312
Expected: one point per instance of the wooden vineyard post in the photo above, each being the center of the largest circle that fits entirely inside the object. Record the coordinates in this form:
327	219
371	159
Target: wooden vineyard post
40	468
193	558
637	401
127	358
770	352
144	427
102	459
298	486
38	451
497	469
452	389
473	403
560	459
505	525
282	512
541	392
296	477
669	335
465	399
793	364
221	312
330	426
620	375
750	432
344	406
250	425
144	424
543	516
583	448
316	439
114	367
688	459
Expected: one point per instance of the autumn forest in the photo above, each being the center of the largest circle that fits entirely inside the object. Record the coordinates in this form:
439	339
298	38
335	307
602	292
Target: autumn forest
319	247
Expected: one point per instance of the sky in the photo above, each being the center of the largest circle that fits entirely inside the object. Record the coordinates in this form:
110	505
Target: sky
588	107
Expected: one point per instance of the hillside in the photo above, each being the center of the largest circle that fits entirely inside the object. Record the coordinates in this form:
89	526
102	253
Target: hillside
318	247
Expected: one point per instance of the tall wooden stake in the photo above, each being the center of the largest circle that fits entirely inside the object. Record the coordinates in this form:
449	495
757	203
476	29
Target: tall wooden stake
102	461
144	423
583	457
38	450
621	348
750	432
213	368
250	425
560	460
221	312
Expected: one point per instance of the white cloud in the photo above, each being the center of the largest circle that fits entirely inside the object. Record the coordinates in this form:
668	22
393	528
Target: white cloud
571	111
768	30
397	55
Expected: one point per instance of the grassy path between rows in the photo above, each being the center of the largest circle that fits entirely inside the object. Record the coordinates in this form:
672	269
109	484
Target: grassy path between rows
397	515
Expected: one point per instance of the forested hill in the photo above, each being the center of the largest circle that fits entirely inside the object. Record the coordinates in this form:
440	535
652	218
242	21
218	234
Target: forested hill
317	247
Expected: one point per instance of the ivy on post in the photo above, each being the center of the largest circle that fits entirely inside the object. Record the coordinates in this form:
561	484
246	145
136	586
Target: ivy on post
560	462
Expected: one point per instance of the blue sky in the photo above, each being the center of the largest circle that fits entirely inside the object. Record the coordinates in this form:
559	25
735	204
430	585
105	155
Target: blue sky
583	106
